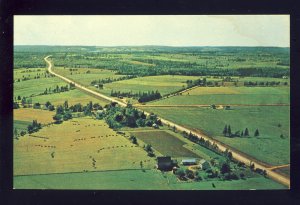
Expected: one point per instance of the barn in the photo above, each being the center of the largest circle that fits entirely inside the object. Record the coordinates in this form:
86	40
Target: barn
189	161
164	163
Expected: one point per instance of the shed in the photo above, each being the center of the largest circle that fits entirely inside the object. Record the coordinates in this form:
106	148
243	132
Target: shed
204	164
164	163
189	161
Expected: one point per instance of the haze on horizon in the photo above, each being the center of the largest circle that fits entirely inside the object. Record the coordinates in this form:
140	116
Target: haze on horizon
167	30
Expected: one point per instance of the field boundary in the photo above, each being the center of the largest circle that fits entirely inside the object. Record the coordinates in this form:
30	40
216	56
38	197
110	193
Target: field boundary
108	170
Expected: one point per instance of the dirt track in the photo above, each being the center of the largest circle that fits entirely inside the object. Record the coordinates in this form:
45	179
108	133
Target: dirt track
236	155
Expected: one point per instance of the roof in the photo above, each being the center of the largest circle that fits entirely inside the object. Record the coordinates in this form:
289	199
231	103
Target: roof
164	159
189	160
202	161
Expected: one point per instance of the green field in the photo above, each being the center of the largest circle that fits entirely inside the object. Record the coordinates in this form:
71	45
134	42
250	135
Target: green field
75	144
86	75
230	95
268	147
21	125
165	143
164	84
72	96
134	180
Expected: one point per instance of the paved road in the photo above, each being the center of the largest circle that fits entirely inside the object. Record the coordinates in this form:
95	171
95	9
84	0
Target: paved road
236	155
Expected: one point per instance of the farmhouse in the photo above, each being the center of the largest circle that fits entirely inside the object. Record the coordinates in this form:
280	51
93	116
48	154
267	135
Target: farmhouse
164	163
189	161
203	164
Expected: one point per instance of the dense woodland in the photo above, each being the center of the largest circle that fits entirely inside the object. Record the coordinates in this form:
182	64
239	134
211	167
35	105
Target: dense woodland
158	60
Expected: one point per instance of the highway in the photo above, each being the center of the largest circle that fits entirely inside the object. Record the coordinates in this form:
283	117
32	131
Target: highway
236	155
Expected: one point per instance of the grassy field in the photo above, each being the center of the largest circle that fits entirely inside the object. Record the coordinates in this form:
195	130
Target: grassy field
164	84
72	96
230	95
268	147
172	144
21	125
74	146
86	75
165	143
36	86
29	114
134	180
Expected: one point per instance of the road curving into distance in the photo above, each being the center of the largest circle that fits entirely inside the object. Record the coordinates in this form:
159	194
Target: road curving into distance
236	155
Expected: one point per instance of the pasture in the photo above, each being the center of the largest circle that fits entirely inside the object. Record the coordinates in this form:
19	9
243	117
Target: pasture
164	84
230	95
75	146
73	97
29	114
269	147
85	76
165	143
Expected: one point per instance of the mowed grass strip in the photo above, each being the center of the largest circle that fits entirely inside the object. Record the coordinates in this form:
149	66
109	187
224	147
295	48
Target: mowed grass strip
30	114
165	143
74	146
269	147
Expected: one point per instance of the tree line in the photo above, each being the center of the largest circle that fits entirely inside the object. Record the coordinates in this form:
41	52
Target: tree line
141	96
227	132
110	80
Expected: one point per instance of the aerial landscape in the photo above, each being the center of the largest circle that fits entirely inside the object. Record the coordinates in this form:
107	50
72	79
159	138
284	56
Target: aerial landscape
135	114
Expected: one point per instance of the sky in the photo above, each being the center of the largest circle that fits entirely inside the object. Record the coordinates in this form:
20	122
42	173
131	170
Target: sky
171	30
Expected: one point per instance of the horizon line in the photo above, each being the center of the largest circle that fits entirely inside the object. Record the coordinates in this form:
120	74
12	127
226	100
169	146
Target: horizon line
153	45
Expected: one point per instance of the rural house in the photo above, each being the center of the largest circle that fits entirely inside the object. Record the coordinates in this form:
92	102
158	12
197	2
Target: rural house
164	163
203	164
189	161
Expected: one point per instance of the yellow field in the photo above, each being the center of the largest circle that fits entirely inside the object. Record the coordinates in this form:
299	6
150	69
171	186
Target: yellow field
75	146
29	114
212	90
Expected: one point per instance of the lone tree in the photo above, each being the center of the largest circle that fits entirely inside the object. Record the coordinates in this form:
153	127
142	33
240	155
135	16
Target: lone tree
229	131
256	134
246	132
225	131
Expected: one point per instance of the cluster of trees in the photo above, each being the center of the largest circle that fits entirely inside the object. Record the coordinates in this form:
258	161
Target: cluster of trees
117	117
227	132
34	127
149	150
184	174
142	96
64	112
25	102
149	96
110	80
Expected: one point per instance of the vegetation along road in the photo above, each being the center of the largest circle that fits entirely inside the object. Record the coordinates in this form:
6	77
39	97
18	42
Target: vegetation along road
236	155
